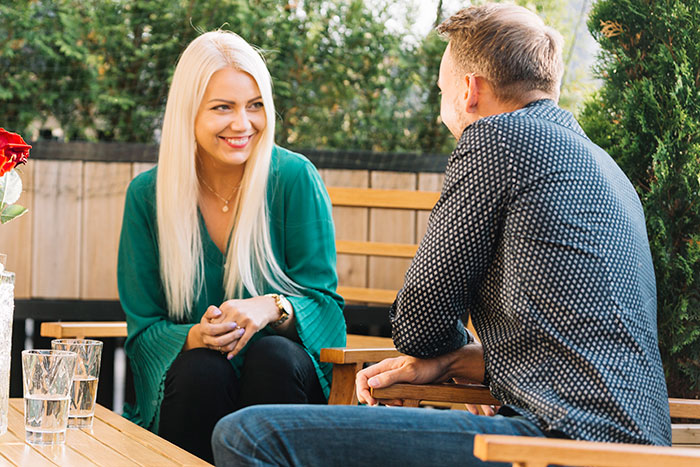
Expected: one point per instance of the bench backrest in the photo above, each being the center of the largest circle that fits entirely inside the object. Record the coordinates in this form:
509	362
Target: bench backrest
371	198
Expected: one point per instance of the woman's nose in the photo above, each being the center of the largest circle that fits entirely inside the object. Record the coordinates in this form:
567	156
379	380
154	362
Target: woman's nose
240	121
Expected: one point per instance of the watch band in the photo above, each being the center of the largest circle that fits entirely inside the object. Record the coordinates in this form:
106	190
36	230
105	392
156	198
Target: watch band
282	305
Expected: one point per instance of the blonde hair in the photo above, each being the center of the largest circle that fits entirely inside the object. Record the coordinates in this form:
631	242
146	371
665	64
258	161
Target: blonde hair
250	262
508	45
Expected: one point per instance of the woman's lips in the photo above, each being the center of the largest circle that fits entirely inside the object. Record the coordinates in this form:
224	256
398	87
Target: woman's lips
237	142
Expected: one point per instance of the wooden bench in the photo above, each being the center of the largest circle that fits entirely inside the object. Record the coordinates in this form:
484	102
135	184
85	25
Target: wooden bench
538	452
360	349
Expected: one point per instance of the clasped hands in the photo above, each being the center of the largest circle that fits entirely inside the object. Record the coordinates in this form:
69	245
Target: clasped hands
228	328
464	365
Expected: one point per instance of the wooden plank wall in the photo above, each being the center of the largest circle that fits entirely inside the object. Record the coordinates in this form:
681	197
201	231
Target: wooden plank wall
66	246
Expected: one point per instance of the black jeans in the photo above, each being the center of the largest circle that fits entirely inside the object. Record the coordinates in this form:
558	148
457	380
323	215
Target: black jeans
201	387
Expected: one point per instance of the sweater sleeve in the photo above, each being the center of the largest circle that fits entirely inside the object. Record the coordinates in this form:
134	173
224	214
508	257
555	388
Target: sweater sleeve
153	340
310	260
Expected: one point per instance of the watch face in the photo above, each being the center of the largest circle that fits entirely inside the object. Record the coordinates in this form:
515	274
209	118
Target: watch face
285	304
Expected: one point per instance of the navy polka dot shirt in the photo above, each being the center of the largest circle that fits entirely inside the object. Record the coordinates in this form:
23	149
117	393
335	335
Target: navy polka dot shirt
541	237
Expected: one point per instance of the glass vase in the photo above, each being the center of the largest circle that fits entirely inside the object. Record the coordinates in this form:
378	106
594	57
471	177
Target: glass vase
7	305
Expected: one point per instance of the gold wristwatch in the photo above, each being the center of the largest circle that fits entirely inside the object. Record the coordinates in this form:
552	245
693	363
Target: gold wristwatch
284	307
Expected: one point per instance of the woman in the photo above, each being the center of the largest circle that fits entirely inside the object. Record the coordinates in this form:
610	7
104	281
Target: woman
227	256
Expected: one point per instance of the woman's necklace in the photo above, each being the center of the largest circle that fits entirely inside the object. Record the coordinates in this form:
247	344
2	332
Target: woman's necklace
226	201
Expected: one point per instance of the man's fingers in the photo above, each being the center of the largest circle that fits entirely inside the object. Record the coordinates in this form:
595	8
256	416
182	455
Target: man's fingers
391	402
473	409
362	389
388	378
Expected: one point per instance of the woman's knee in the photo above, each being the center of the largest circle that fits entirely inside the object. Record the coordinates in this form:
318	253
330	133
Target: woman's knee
199	370
277	353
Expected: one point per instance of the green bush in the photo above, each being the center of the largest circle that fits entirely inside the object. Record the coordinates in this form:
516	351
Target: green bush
647	116
342	79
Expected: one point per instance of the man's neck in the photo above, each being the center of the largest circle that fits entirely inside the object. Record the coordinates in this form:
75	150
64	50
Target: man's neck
495	106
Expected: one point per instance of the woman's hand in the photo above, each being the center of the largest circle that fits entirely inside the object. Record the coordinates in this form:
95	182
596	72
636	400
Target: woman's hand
213	332
249	316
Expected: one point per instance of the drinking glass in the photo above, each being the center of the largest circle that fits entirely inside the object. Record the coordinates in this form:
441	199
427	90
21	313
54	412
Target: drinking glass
47	377
87	373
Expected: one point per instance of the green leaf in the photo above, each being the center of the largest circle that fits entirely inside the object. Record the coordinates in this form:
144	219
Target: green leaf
11	212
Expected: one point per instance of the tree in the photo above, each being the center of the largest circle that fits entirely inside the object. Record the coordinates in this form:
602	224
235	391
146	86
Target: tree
39	43
647	116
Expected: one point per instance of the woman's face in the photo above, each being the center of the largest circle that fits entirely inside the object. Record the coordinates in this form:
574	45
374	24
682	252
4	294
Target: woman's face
230	118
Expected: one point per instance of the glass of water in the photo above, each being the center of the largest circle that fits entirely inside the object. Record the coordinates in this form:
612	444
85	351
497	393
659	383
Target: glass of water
47	376
87	373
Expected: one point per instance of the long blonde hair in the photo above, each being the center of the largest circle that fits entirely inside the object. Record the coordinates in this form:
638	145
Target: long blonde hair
250	262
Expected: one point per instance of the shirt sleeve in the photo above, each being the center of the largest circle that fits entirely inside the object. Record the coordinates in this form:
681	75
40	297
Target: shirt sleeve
153	340
310	260
458	247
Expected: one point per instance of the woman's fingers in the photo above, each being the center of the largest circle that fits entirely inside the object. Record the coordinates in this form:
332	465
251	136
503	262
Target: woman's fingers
219	335
243	338
212	314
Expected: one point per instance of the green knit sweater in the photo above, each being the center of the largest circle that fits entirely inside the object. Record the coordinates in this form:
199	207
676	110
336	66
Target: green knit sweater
303	241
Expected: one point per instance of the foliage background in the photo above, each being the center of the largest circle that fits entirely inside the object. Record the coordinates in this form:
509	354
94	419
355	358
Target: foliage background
647	116
100	69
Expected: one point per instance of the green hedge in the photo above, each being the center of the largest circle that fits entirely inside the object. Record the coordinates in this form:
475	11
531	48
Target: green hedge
647	116
342	78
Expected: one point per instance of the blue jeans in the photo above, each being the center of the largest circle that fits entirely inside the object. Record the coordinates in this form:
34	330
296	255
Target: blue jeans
306	435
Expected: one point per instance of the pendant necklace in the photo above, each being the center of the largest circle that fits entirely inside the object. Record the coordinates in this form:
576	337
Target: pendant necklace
225	207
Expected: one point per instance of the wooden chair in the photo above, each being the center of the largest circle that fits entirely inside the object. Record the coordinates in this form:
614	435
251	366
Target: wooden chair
524	451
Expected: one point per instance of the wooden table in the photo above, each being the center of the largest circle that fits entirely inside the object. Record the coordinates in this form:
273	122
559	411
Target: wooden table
112	441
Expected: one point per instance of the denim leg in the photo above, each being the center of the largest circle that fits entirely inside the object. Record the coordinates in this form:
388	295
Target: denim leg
327	436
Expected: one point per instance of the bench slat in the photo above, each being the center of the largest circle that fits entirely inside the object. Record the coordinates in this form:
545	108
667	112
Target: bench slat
70	329
531	451
361	294
376	198
394	250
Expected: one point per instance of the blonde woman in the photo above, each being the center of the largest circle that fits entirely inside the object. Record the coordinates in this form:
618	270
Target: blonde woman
227	256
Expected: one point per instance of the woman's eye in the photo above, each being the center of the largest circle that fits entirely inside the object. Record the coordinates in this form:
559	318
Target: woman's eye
256	105
221	107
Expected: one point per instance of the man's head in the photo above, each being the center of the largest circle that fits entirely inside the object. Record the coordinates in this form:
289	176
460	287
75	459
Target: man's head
501	54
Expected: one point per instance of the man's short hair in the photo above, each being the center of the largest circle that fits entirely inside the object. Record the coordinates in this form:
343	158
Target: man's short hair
508	45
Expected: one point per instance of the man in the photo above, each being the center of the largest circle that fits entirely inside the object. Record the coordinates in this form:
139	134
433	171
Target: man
541	238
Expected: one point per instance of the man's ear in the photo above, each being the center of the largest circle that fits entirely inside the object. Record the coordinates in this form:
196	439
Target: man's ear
471	95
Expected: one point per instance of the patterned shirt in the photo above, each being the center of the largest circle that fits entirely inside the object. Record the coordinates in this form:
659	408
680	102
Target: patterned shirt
541	237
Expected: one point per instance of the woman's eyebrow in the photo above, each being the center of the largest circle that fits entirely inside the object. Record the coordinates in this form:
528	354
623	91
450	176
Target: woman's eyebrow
232	102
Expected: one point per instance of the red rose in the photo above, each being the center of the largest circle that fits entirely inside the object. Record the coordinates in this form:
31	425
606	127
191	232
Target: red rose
13	151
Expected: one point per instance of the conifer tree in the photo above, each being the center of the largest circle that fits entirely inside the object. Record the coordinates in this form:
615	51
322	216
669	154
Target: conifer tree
647	116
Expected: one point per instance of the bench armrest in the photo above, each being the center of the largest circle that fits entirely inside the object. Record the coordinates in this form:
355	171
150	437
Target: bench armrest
81	329
527	451
444	392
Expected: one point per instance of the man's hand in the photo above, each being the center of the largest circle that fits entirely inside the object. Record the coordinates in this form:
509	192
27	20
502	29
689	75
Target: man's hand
465	364
403	369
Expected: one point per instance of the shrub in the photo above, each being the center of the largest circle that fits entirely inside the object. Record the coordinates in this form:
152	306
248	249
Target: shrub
647	116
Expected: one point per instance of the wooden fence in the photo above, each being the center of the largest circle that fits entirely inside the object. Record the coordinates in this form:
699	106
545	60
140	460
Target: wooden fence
64	251
66	246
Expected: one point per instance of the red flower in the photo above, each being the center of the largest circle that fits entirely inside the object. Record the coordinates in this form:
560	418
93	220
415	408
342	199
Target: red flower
13	151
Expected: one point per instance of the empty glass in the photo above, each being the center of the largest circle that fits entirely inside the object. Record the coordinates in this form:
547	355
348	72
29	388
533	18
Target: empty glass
47	377
87	373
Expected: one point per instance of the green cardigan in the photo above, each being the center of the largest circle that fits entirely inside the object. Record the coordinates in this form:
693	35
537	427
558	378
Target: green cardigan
303	241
